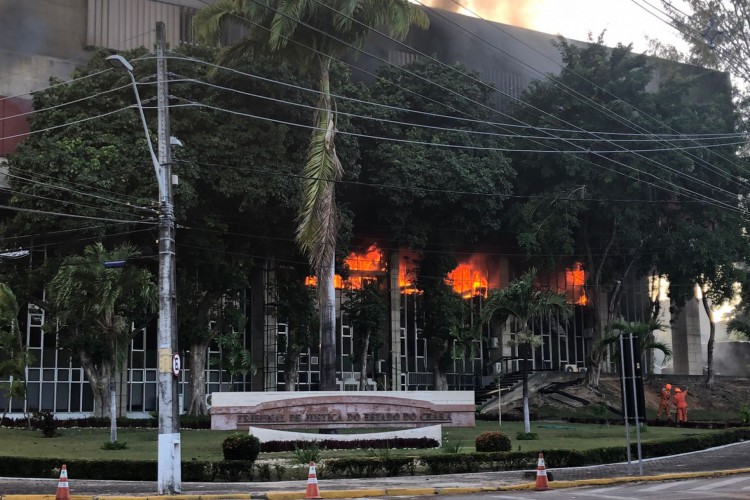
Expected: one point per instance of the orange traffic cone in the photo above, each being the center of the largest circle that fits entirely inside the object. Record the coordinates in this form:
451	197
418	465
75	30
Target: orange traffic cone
312	483
541	475
63	491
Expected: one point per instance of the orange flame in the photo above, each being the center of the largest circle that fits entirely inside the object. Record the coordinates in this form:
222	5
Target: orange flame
575	279
362	265
470	278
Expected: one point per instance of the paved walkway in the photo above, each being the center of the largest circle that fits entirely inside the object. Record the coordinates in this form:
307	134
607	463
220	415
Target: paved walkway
727	459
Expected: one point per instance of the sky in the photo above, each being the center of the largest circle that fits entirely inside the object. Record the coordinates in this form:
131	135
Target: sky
624	20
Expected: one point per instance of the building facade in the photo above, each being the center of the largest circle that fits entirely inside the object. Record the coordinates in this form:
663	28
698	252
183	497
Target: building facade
44	38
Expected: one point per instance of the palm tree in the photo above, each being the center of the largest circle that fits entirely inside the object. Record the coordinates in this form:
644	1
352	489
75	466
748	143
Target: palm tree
521	301
95	307
14	357
641	330
309	34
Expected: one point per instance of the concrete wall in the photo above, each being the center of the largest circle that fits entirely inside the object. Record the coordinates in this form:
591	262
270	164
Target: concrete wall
40	38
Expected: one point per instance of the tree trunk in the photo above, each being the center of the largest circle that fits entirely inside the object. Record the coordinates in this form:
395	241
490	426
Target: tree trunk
112	410
710	345
327	301
526	414
197	379
435	350
326	272
99	377
363	357
291	369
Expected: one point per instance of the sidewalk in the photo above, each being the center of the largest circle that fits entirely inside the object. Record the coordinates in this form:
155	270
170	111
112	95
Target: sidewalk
729	459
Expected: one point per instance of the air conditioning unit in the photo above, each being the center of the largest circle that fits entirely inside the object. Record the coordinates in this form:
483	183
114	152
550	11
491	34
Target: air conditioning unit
313	360
571	368
494	342
583	369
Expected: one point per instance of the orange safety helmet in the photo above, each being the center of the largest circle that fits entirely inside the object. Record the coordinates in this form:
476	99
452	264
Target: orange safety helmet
668	386
677	390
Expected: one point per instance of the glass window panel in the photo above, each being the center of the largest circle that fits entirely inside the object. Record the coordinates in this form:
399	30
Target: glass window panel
50	340
16	405
136	375
63	375
139	342
151	356
63	357
33	374
150	398
75	375
48	357
35	337
88	398
33	396
48	375
75	397
62	398
213	376
151	375
136	397
48	397
138	360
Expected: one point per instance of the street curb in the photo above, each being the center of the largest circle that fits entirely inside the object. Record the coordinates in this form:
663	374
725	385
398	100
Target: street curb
393	492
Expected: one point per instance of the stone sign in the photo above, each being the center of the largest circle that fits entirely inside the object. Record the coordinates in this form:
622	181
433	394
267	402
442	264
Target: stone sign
336	410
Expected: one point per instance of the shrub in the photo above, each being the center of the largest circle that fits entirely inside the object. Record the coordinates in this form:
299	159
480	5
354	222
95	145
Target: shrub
307	452
117	445
45	421
454	447
492	441
745	415
239	446
527	436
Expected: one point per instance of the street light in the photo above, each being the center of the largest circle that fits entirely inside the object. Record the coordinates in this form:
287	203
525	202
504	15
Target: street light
169	454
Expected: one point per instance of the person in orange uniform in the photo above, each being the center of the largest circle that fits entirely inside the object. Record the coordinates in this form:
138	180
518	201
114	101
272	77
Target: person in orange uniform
681	403
664	403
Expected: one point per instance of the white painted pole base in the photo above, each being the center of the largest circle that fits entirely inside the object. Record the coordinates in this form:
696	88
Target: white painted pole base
170	470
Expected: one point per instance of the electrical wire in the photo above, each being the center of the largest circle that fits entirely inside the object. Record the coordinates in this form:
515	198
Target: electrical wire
73	216
185	79
618	172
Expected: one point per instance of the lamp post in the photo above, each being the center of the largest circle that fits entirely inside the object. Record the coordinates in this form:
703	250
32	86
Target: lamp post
169	454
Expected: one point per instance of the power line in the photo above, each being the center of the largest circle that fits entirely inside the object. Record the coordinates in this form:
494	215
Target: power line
640	172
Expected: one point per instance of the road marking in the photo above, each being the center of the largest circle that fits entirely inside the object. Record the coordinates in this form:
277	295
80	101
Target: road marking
506	497
599	495
714	485
664	486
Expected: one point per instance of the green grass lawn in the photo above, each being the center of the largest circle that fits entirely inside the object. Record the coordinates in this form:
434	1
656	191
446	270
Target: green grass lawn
206	444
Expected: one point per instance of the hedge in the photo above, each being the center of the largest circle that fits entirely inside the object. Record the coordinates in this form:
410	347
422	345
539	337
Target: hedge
358	444
439	463
186	422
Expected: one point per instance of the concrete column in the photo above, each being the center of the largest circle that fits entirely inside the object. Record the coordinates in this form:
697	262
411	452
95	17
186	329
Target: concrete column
258	326
686	340
394	295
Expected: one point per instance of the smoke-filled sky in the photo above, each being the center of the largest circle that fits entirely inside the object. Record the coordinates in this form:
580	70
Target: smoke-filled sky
623	20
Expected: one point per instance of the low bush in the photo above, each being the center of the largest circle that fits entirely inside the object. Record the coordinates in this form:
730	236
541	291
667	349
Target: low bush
239	446
306	453
527	436
45	421
492	441
117	445
358	444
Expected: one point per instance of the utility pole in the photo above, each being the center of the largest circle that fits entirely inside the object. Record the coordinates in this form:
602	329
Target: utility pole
169	457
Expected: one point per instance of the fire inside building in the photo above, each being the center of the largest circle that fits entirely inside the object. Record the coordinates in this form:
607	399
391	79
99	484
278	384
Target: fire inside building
402	360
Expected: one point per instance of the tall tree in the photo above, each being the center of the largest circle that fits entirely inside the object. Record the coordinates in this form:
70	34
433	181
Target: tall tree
366	308
295	305
429	195
601	208
717	32
96	308
14	357
309	34
522	302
